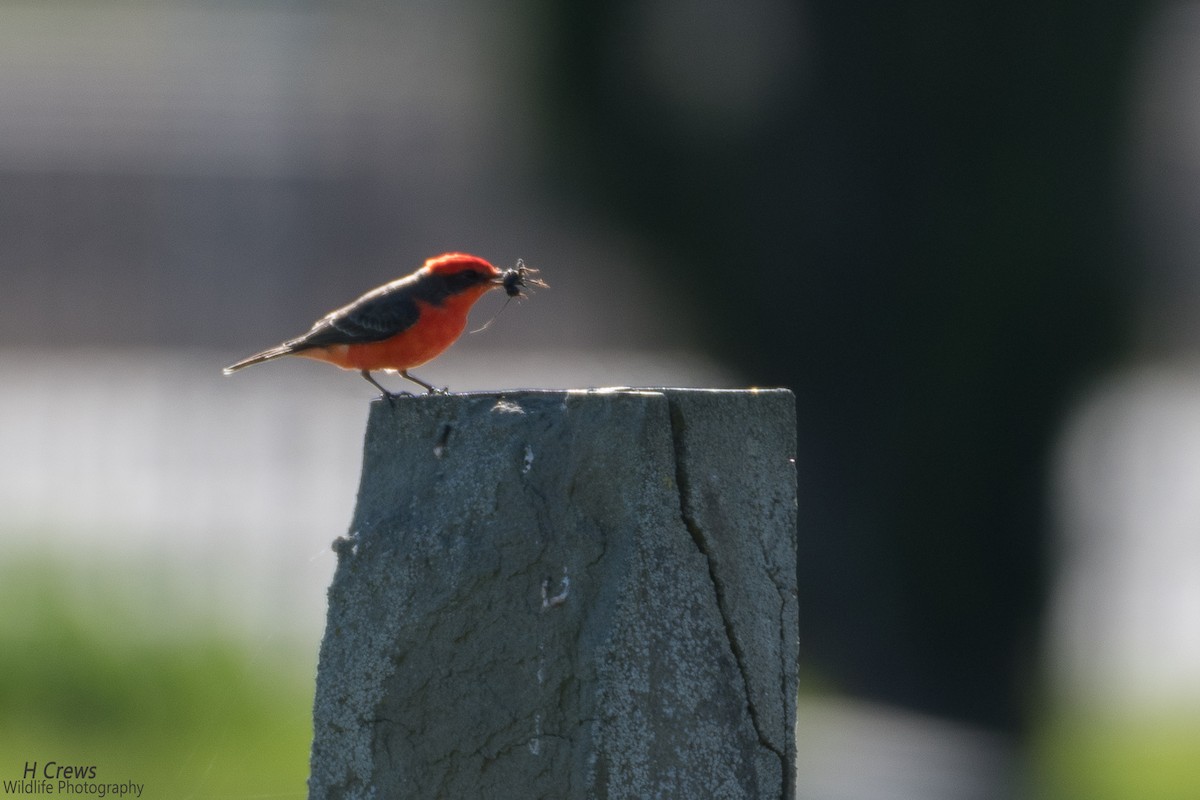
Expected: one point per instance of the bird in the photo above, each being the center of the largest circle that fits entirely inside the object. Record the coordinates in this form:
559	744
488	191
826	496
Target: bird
402	324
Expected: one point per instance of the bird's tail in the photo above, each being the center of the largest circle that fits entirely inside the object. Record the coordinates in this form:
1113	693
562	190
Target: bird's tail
258	358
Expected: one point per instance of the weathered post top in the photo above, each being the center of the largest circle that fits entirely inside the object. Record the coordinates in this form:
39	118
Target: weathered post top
565	595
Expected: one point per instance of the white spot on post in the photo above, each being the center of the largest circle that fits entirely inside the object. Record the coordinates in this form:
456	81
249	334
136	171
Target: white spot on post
549	601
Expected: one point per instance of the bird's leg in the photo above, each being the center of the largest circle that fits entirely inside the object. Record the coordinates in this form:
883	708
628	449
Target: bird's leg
430	388
391	396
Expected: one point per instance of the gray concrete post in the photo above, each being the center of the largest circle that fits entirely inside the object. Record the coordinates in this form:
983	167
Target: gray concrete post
565	595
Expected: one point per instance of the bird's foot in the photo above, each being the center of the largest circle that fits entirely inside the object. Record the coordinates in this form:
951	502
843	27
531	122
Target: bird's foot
392	397
429	387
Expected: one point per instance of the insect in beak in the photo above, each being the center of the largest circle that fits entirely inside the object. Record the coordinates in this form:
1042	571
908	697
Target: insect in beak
513	280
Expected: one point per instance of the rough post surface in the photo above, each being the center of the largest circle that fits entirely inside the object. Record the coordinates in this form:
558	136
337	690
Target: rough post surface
565	595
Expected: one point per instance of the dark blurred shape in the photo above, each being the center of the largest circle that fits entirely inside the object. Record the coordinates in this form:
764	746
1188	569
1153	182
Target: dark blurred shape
908	214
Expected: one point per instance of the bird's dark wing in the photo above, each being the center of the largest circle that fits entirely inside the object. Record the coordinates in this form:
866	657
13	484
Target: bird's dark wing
386	311
378	315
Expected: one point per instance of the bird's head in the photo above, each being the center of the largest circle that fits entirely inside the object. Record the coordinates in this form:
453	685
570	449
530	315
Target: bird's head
461	272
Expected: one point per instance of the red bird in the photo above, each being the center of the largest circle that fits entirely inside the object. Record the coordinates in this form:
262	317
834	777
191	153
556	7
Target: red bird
402	324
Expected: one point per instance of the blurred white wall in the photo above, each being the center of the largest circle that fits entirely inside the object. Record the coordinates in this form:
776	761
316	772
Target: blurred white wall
1125	631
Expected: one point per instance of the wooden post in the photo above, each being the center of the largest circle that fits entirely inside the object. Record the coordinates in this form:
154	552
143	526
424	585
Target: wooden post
585	594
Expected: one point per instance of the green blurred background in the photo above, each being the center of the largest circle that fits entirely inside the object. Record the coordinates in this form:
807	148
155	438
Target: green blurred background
98	670
963	234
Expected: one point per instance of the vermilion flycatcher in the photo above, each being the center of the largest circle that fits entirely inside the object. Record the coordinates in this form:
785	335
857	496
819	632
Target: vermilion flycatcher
402	324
